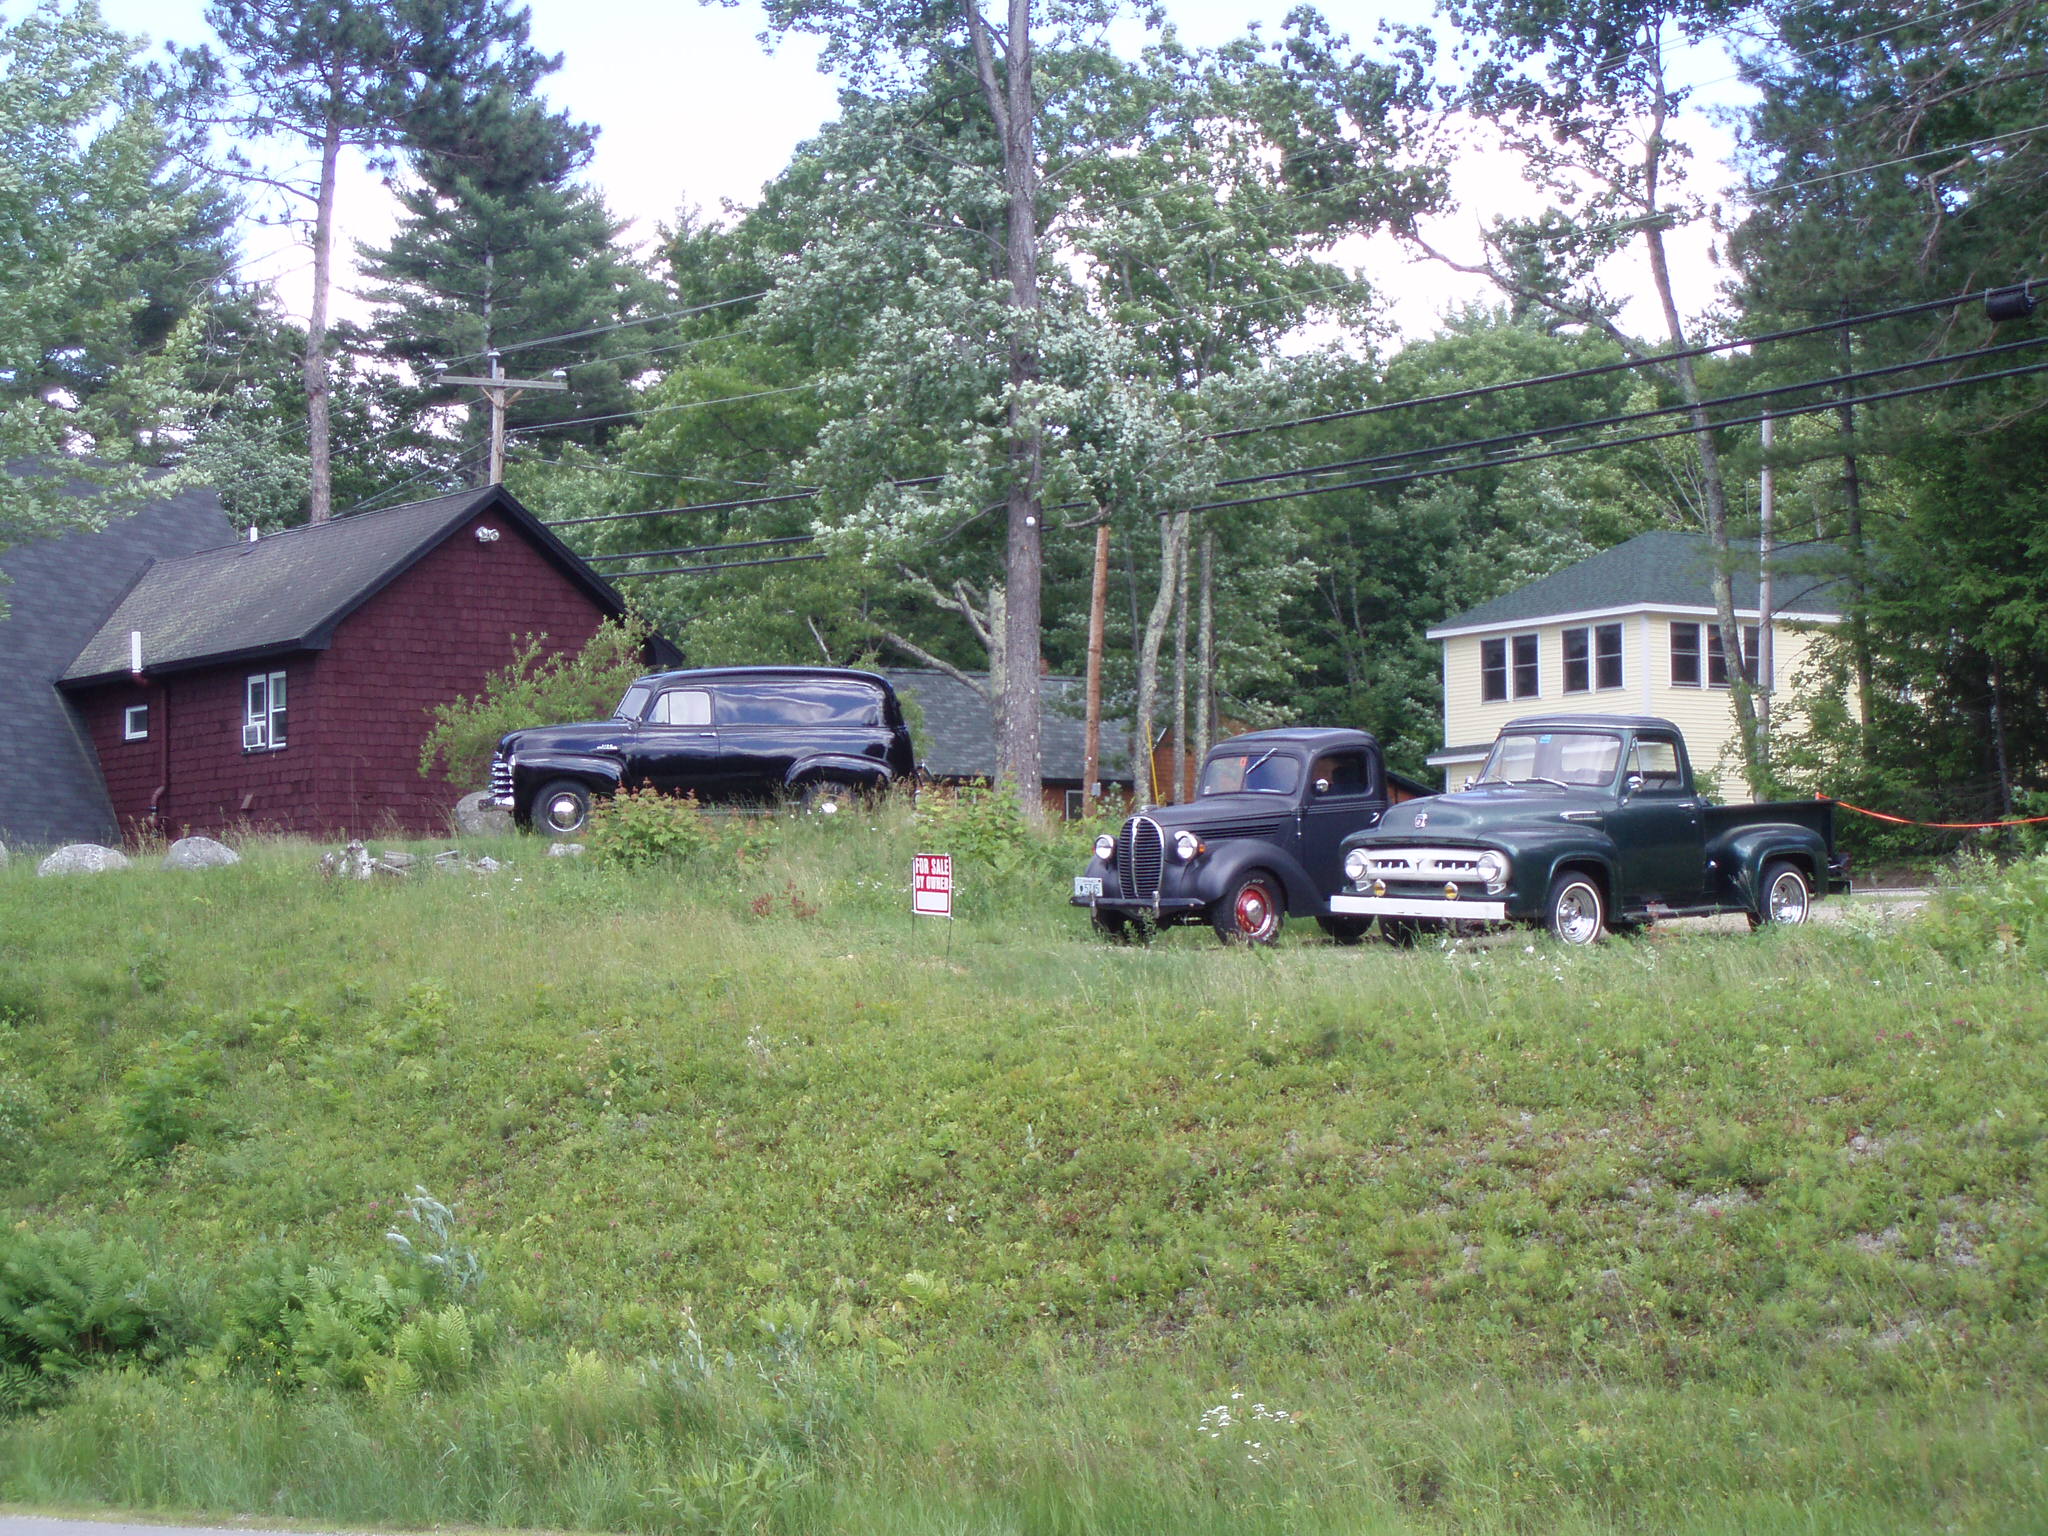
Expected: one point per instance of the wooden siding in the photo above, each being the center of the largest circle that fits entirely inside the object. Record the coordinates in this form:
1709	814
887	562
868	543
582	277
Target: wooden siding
1705	715
356	712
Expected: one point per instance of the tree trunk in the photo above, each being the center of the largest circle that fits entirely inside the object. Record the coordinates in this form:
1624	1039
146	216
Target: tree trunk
1205	655
1098	616
319	435
1172	533
1180	675
1013	108
1852	538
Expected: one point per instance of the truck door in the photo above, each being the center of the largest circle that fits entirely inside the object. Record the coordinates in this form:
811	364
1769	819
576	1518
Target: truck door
676	751
1656	827
1342	796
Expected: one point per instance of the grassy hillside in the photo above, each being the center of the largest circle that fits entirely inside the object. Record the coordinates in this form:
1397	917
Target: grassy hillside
793	1216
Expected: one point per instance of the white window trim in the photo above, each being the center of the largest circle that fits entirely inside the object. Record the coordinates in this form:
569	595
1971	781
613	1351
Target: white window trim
1622	611
128	730
265	712
1512	695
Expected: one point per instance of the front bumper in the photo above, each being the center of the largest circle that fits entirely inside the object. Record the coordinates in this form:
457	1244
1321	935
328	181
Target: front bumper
1165	906
1419	906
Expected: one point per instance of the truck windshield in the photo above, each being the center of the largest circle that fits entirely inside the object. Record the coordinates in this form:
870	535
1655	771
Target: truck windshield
1552	757
1268	772
634	704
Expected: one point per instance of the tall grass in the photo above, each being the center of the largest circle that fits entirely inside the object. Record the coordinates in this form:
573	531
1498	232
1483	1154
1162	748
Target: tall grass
798	1214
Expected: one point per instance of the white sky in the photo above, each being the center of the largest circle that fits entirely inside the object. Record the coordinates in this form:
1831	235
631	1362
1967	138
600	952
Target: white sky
695	113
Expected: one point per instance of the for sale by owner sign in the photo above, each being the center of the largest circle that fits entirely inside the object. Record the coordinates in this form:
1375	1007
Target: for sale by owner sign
931	884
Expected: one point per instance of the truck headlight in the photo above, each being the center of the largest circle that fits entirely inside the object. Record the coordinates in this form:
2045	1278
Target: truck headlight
1105	848
1186	845
1354	866
1493	869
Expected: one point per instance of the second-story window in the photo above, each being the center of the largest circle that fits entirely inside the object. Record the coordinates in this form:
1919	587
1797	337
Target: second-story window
1507	669
1592	658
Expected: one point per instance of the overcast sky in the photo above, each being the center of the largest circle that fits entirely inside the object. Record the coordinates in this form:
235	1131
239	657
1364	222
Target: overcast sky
694	112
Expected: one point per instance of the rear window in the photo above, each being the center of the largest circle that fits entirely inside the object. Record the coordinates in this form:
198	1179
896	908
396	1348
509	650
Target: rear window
830	701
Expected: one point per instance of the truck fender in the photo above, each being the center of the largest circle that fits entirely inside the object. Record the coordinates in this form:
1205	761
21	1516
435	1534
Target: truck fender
1228	861
601	774
1741	856
842	767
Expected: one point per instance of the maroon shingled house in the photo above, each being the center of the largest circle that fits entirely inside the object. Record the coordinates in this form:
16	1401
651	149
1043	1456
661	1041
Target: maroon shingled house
285	683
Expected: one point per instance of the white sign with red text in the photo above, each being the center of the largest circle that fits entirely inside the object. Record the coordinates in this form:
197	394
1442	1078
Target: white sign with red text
931	884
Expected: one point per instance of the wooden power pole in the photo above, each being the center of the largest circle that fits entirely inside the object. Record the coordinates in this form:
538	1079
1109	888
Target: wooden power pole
1098	612
501	392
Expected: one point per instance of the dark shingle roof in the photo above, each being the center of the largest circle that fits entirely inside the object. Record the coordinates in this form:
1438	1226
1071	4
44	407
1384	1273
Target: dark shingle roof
50	785
289	590
1662	569
958	740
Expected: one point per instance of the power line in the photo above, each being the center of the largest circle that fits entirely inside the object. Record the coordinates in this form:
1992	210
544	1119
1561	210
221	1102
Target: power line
708	506
704	549
1479	391
1743	398
657	410
1925	154
616	325
702	570
1505	461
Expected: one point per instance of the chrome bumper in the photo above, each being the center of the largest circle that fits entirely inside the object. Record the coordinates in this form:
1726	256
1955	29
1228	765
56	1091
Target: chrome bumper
1419	906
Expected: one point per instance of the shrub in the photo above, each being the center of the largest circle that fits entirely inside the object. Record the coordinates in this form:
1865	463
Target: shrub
68	1302
643	827
164	1099
1987	910
538	688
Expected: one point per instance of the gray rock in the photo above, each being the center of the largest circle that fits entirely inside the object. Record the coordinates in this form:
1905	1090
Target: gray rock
485	866
348	863
199	853
396	862
82	859
473	818
565	850
3	855
448	859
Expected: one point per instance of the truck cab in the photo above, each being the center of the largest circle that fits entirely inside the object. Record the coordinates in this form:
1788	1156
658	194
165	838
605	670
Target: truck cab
1261	841
1586	824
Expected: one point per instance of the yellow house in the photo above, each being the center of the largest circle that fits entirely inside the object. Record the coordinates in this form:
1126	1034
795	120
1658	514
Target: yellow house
1629	631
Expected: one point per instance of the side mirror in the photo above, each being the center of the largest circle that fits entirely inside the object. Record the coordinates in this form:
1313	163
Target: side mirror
1322	786
1633	783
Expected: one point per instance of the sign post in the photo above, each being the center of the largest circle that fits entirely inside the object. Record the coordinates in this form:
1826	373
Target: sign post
931	885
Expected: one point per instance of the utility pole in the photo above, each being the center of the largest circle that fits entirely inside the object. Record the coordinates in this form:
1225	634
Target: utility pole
501	392
1766	659
1091	729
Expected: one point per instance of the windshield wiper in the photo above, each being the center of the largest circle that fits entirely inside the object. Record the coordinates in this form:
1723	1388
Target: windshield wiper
1537	778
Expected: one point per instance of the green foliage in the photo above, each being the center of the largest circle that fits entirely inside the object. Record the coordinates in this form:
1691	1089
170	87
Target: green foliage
167	1098
68	1302
540	686
1985	911
643	826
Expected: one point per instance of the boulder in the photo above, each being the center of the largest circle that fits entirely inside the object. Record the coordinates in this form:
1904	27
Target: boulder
199	853
82	859
565	850
474	818
484	866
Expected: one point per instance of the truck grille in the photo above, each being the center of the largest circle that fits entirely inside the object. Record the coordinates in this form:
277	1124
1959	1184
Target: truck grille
1223	830
501	776
1140	856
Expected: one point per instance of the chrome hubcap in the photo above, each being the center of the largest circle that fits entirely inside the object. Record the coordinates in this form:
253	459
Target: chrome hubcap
564	811
1254	912
1578	914
1788	899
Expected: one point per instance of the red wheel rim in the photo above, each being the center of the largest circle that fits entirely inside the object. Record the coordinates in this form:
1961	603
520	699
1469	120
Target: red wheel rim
1254	910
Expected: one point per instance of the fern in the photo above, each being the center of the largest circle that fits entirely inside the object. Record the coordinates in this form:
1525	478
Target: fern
68	1302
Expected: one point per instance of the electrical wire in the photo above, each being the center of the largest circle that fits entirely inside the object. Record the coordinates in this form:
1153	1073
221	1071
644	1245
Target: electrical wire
704	549
607	329
1507	460
702	570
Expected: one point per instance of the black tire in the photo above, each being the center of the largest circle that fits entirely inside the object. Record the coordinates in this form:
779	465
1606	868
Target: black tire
1253	909
827	797
1575	912
1784	896
1344	930
1407	932
561	808
1113	926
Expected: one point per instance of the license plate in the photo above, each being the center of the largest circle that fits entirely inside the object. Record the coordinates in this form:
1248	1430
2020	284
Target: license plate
1087	885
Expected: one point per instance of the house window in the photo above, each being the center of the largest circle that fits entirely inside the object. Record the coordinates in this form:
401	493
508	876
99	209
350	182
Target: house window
1689	642
135	723
1507	669
1592	658
1075	806
263	713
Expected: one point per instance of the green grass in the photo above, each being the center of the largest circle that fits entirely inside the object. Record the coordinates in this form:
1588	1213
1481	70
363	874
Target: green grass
798	1216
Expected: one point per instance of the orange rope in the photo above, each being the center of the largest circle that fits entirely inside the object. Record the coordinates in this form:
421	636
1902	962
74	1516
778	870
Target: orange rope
1949	826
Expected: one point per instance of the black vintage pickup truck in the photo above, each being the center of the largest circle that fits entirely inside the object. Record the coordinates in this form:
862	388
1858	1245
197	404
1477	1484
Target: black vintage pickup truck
1260	840
1587	824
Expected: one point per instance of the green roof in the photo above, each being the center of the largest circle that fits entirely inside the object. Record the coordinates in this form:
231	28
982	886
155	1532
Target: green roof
1664	569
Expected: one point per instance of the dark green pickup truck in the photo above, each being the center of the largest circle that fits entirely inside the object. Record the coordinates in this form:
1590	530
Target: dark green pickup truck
1586	824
